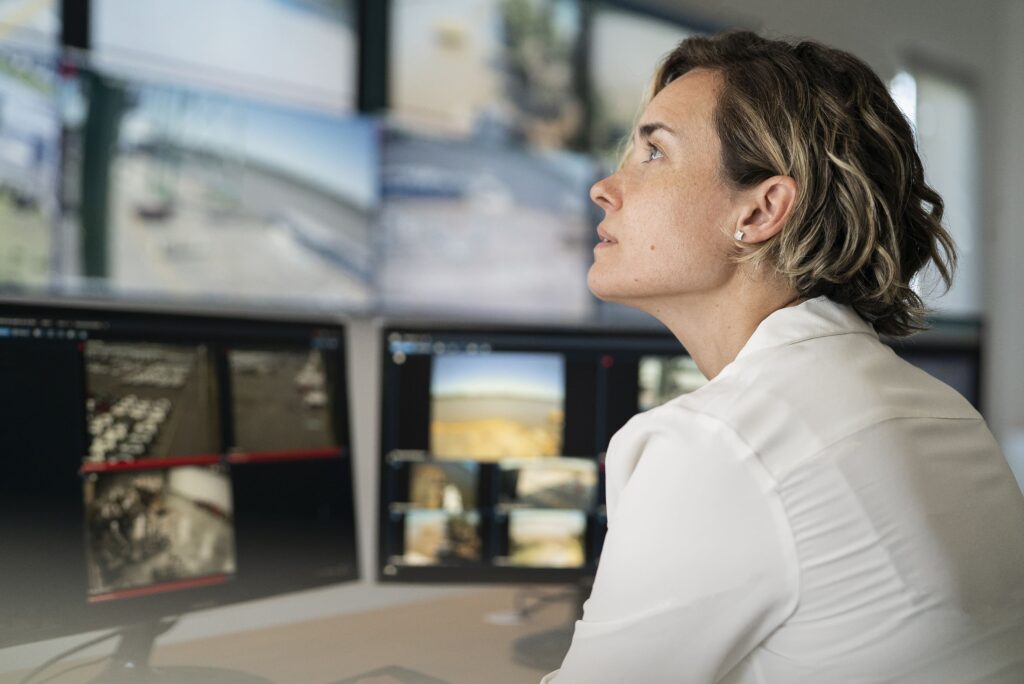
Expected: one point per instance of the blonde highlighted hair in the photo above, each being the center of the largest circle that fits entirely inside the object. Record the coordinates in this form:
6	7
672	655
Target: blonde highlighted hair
864	222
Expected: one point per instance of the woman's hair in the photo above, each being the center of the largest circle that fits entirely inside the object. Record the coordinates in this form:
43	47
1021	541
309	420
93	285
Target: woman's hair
864	221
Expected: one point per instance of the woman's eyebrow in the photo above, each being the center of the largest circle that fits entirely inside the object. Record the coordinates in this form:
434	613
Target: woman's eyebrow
646	130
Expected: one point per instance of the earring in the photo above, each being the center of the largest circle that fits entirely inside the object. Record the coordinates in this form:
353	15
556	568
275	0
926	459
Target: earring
739	235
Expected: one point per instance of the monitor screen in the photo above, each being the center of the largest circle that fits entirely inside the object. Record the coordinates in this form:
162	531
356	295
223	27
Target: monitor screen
513	222
493	442
157	463
489	69
32	25
619	77
298	51
226	199
29	167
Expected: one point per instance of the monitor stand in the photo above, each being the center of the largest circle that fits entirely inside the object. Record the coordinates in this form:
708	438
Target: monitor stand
546	650
130	663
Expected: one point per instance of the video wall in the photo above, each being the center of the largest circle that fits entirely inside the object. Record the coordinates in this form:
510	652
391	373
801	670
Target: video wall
145	155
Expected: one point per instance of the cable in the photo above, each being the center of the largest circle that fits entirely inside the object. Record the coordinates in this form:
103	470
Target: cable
64	654
73	668
162	627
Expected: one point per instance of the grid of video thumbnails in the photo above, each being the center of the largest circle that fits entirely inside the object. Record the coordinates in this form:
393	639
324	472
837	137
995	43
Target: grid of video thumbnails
160	496
493	449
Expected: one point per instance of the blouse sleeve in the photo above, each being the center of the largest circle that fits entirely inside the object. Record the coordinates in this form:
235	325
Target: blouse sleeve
698	565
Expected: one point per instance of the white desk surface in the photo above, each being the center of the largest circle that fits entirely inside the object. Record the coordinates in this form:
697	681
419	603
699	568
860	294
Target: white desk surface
447	641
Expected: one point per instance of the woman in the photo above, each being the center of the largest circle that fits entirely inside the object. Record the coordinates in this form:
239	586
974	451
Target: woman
820	511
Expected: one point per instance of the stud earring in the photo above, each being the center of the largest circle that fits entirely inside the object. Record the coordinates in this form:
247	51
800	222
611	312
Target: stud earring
739	235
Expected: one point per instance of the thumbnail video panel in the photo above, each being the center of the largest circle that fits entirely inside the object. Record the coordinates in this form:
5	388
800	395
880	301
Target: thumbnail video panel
281	400
483	229
146	528
550	483
31	24
29	166
302	51
497	405
662	378
227	199
547	538
148	400
509	68
451	486
437	537
619	77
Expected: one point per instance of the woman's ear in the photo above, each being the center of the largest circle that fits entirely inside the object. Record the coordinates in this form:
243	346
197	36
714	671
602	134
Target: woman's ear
769	205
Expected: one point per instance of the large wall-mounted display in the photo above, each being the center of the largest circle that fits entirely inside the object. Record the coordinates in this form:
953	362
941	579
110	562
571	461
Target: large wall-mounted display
229	199
485	229
299	51
30	24
620	75
29	167
501	70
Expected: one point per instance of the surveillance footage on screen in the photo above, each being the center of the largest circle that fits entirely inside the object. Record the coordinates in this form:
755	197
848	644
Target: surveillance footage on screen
437	537
148	400
497	405
153	527
280	400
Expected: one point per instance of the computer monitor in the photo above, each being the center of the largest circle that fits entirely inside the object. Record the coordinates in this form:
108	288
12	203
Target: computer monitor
493	438
492	446
156	463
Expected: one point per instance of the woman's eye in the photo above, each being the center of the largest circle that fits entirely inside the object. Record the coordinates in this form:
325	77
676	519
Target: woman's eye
653	153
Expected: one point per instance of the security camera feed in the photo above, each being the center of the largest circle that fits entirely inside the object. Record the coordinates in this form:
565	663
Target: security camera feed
302	51
620	77
147	400
663	378
437	537
477	229
547	538
29	141
31	24
550	483
280	400
228	199
508	68
154	527
449	486
498	405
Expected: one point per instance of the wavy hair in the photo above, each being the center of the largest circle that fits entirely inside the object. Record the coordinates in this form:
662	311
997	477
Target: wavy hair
864	221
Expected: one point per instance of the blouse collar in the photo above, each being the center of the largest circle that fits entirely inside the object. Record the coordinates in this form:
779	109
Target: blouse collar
818	317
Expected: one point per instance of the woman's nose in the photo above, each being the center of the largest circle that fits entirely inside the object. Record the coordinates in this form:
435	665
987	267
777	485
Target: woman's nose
604	194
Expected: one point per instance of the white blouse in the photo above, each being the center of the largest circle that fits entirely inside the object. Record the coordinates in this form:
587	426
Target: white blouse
821	511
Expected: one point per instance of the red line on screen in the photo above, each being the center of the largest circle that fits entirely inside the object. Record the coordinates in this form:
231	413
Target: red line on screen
286	455
159	588
151	463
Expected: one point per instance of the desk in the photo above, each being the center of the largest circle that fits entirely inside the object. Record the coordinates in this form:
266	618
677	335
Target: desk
445	640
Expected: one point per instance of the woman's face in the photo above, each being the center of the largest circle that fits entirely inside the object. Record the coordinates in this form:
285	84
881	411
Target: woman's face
669	215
